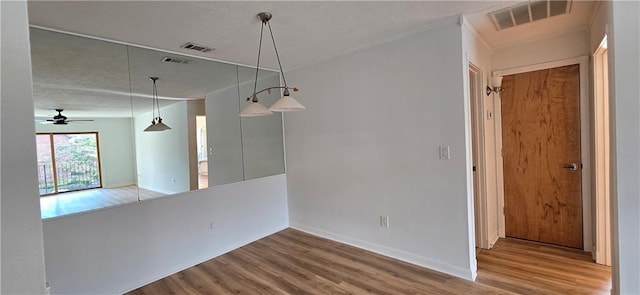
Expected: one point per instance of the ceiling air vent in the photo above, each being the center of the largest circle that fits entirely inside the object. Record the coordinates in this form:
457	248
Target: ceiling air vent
529	12
175	60
196	47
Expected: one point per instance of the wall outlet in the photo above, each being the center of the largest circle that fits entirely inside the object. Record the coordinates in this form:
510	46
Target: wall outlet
211	225
445	152
384	221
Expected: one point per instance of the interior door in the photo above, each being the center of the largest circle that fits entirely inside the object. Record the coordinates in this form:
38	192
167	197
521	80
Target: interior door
541	151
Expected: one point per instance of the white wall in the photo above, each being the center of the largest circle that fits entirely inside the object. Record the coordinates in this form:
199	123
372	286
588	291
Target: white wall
21	228
624	73
367	146
559	47
162	157
118	249
116	147
479	53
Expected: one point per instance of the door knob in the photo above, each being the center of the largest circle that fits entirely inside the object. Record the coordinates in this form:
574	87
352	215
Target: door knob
572	166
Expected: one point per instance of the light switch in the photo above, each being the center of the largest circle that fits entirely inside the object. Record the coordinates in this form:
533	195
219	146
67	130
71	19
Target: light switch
445	152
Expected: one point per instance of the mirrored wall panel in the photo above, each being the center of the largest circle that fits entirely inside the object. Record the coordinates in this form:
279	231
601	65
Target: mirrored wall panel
94	100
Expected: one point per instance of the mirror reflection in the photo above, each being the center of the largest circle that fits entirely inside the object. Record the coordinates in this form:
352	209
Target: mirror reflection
93	100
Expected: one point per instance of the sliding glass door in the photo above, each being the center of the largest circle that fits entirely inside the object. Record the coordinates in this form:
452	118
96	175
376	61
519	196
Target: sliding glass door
68	162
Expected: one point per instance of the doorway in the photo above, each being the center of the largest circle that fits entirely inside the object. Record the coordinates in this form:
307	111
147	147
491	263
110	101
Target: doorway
542	156
585	143
201	142
68	162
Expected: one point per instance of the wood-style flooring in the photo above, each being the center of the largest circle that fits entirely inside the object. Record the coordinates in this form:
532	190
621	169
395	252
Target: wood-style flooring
293	262
92	199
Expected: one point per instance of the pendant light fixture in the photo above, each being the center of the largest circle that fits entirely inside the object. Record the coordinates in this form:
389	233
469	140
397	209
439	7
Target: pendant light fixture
286	103
156	122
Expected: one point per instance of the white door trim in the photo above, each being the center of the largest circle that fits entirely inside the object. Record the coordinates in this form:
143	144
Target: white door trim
476	102
585	141
601	153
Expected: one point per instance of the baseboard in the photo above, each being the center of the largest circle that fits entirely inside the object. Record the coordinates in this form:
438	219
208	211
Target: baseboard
493	239
405	256
190	263
117	185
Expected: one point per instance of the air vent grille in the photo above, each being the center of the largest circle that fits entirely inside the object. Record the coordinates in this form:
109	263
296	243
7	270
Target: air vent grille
529	12
196	47
175	60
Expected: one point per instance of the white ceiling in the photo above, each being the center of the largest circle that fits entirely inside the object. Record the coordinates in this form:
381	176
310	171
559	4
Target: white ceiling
577	19
306	33
91	78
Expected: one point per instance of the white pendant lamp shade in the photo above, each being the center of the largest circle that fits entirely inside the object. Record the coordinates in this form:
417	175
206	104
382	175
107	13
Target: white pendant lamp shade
152	127
286	104
157	126
255	109
496	81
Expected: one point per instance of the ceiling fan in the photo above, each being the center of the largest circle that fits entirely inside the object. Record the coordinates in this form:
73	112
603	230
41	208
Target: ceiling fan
61	119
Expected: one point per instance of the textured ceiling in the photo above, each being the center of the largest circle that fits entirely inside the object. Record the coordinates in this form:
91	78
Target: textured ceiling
90	78
89	75
305	32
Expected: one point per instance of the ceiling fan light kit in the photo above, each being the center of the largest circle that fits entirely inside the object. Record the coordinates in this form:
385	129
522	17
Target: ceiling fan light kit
286	103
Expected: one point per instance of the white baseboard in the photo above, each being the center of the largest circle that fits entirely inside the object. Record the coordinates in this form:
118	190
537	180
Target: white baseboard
405	256
493	239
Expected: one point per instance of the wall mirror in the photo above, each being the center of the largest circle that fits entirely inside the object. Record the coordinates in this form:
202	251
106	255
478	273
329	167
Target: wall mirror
93	101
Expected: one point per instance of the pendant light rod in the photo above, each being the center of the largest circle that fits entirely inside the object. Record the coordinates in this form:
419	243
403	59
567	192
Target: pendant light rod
286	88
153	99
155	95
277	55
265	17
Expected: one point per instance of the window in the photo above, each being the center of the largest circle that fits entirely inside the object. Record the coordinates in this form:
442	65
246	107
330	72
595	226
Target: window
68	162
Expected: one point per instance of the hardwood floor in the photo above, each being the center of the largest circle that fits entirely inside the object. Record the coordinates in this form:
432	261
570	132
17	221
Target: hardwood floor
293	262
86	200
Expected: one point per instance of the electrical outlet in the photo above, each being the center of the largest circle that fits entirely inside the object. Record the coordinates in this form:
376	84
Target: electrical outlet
210	225
445	152
384	221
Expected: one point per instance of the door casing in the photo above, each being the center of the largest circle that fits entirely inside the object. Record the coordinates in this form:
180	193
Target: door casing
585	142
478	155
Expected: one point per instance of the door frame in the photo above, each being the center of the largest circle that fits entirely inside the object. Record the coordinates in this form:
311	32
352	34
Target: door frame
585	142
601	156
476	117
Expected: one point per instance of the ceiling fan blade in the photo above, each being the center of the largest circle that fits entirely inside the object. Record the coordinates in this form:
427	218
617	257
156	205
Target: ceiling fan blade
79	120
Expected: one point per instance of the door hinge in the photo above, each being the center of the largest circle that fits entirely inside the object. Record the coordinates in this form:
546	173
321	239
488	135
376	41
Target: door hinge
474	168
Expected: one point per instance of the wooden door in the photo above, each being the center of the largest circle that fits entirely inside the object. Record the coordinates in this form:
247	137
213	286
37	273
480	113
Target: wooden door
541	138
